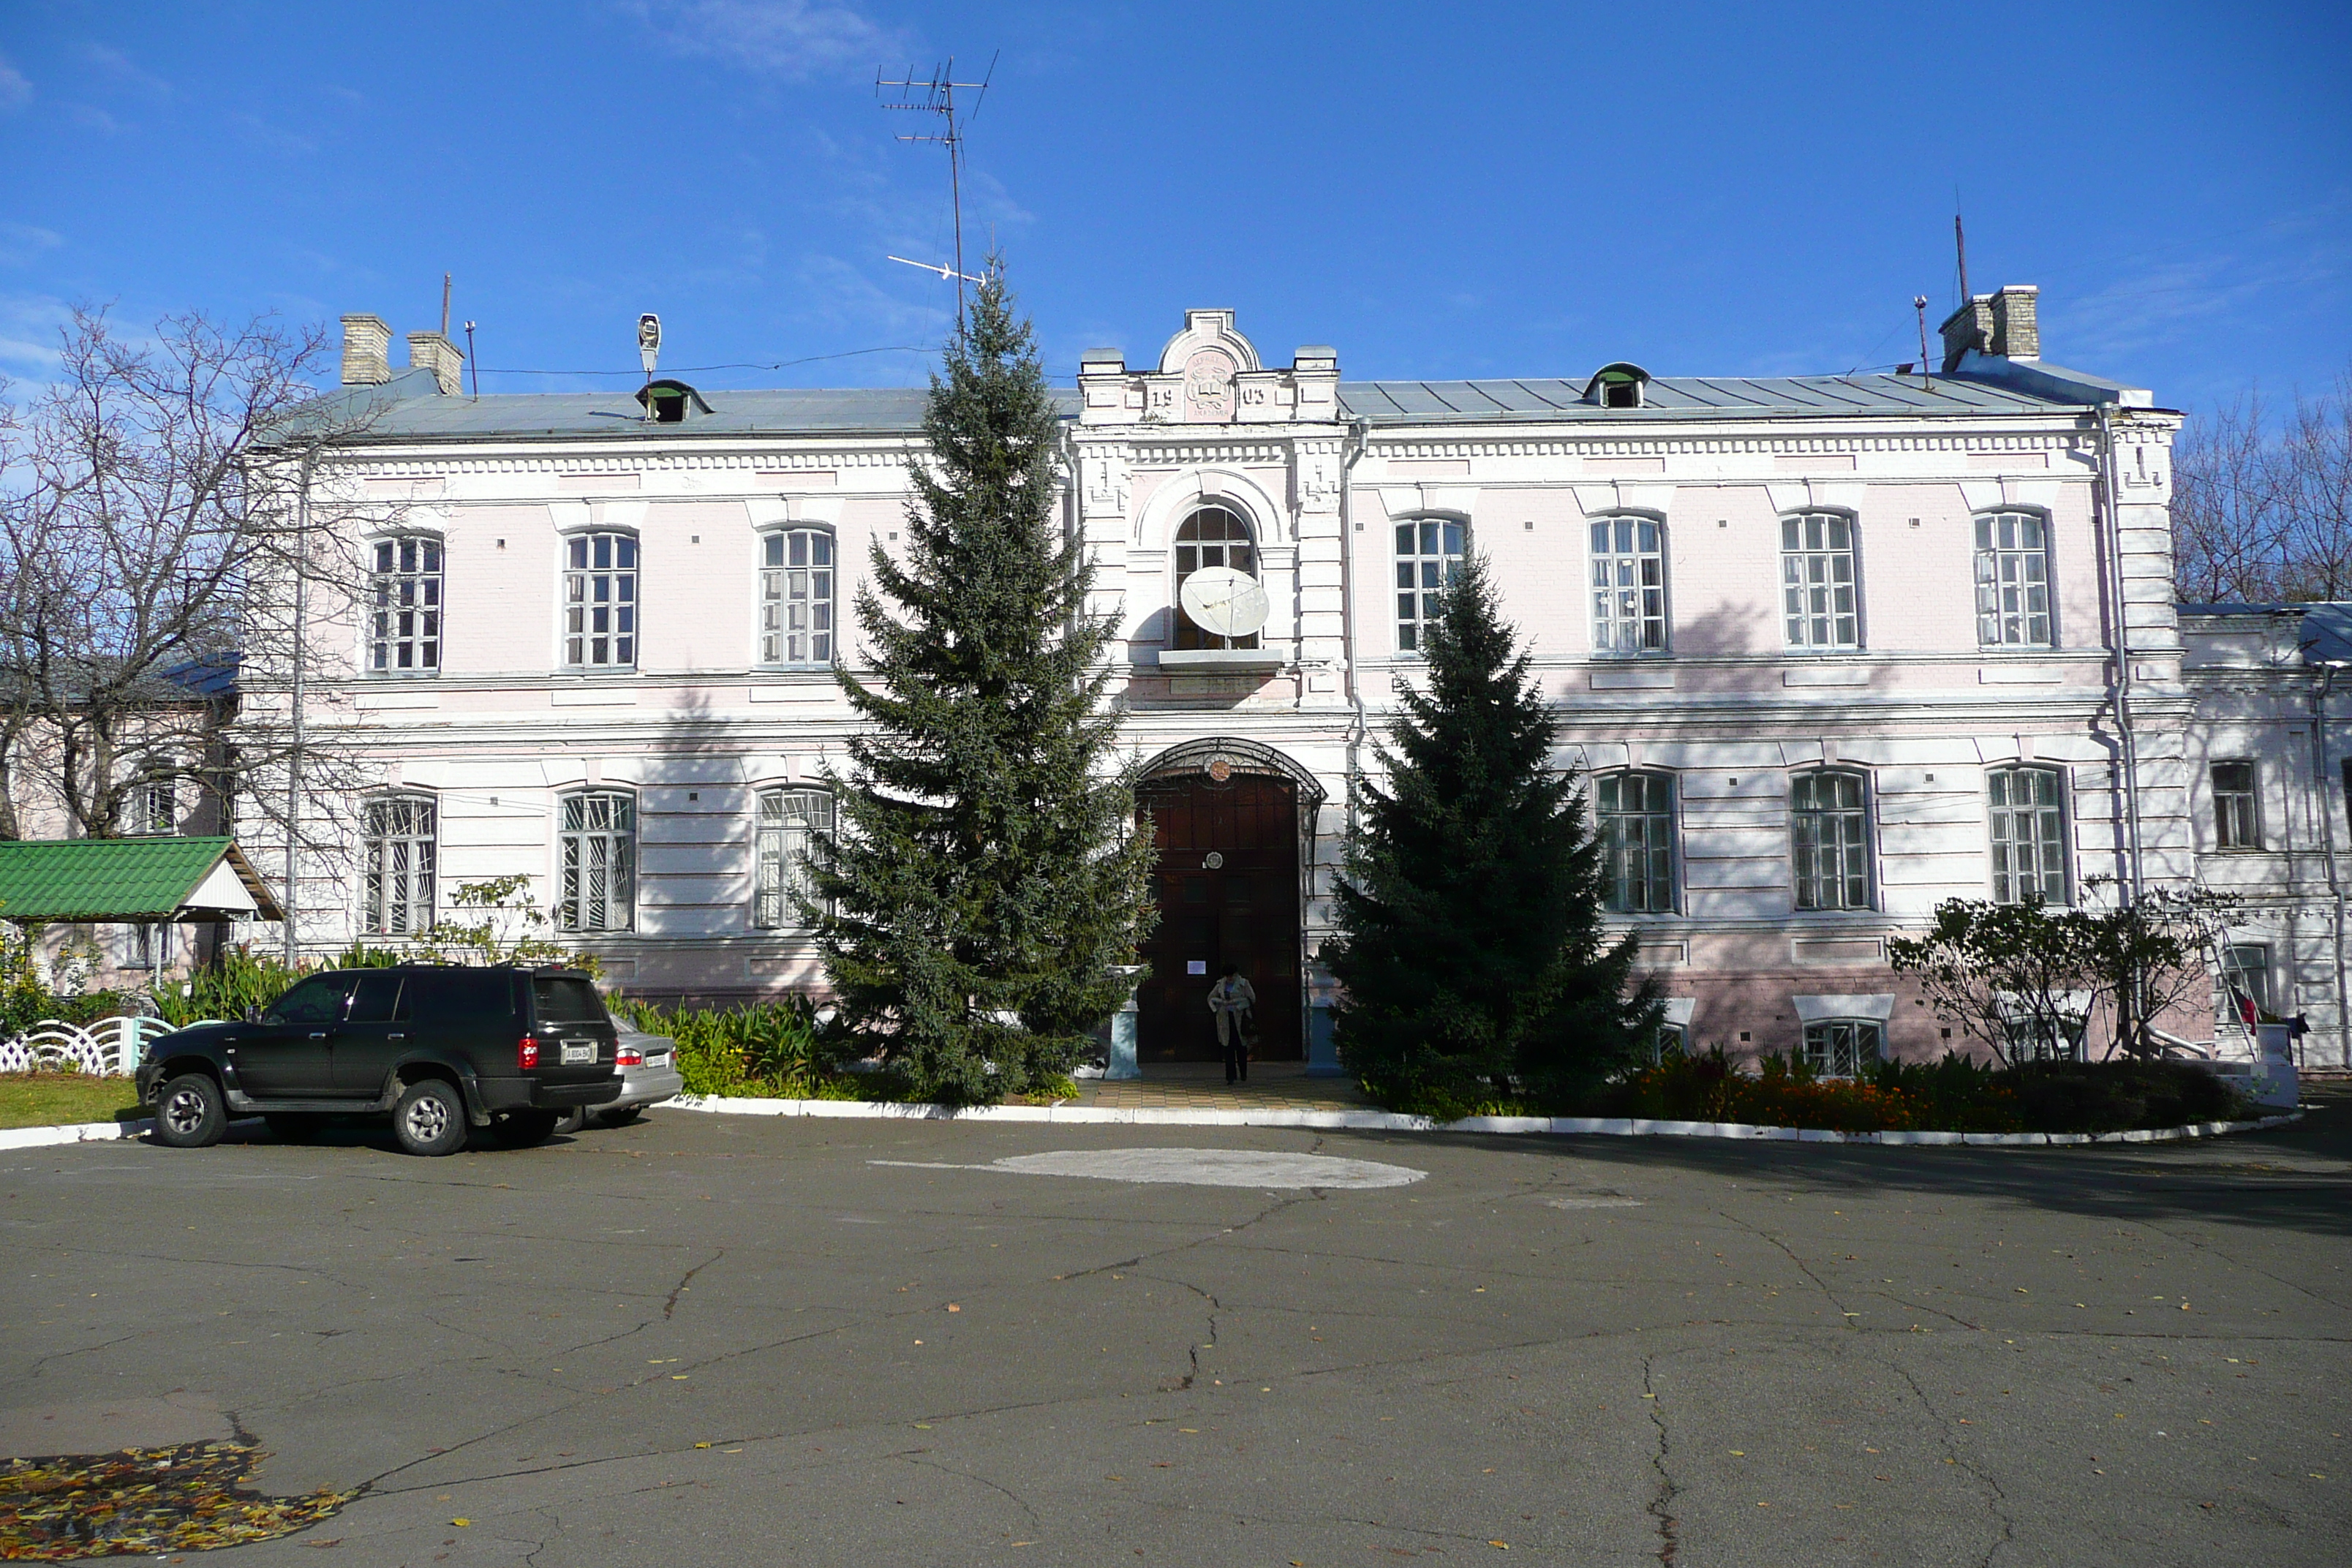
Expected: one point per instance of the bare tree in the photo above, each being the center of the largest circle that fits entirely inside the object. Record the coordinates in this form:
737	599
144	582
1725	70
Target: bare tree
2263	514
139	510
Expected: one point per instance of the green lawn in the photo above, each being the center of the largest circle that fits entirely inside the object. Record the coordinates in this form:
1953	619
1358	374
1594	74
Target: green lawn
50	1099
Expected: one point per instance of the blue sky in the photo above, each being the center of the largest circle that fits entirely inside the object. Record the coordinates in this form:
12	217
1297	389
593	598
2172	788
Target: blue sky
1437	191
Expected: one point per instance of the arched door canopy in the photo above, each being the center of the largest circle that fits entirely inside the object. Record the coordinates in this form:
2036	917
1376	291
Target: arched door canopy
1239	756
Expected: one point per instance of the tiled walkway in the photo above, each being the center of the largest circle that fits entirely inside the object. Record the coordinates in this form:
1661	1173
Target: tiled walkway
1196	1086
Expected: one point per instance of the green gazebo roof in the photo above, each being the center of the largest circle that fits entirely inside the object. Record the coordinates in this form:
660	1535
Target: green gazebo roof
130	879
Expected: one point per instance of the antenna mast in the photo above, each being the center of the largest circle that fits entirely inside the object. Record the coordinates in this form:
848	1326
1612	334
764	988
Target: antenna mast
938	97
1960	244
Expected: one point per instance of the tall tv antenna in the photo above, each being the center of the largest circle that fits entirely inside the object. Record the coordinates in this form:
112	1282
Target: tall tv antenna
937	95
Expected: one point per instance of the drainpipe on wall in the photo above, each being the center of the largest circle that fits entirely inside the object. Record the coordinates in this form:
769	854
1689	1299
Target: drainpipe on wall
1358	727
2119	691
294	756
2327	837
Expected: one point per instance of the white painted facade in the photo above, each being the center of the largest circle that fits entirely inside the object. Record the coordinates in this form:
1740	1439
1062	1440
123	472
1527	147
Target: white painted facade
1733	722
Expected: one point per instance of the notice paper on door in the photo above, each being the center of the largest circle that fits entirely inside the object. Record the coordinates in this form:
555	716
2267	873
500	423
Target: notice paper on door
1196	966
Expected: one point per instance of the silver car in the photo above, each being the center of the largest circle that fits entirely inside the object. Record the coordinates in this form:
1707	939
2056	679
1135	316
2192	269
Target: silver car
650	1075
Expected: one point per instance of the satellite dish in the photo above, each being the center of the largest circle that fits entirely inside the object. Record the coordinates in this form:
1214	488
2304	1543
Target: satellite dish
1225	603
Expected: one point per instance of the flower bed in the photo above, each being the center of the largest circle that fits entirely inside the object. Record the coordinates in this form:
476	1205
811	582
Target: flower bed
1954	1095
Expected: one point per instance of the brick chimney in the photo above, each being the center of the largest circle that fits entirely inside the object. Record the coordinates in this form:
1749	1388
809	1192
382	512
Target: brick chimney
431	351
367	340
2015	334
1970	327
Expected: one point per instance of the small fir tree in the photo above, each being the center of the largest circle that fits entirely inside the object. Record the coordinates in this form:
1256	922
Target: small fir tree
1472	949
988	873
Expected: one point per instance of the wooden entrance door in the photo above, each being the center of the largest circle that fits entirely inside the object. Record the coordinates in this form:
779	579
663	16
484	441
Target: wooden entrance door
1227	888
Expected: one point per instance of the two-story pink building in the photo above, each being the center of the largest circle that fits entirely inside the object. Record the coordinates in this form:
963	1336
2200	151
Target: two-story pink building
1829	649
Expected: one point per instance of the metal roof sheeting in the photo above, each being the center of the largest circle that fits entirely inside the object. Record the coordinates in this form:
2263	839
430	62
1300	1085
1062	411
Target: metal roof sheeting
1683	397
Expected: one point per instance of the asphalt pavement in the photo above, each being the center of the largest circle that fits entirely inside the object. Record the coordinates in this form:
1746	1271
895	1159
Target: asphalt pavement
717	1340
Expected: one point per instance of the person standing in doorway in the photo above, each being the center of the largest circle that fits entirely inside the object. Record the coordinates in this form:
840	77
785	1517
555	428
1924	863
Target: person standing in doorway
1233	1004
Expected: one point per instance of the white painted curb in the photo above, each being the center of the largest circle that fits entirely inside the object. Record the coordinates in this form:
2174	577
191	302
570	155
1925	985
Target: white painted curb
72	1132
1389	1121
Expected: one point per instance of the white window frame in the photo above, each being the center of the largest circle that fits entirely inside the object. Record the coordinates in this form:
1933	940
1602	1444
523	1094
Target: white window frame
1815	573
155	806
1834	1047
2237	813
1660	841
786	824
408	589
400	864
618	644
1628	585
2044	845
2012	579
596	861
799	619
1434	560
2253	977
1847	847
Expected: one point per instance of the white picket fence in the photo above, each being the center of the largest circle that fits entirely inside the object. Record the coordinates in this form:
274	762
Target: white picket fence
108	1048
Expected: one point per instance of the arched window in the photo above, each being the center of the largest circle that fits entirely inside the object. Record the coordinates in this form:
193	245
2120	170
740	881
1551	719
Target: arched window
1213	536
791	828
2012	580
1429	553
404	607
1636	816
597	888
600	601
796	597
1628	585
1819	589
400	854
1829	828
2029	835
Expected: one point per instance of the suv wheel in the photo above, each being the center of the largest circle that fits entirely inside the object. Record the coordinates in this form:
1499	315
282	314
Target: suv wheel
189	1112
523	1128
430	1118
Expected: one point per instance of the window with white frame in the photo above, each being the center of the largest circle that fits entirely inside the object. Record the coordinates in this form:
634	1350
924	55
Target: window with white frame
1830	836
1628	585
796	597
2237	824
1428	554
597	881
2247	966
793	826
1670	1041
404	607
156	807
399	859
1820	591
2029	835
600	601
1840	1047
1213	536
147	946
2012	580
1636	816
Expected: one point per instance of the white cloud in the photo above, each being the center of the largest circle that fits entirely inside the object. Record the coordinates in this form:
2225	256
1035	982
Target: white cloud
15	90
791	38
20	242
123	68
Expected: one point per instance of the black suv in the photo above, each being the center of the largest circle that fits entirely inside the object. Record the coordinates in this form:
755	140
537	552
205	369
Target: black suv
442	1048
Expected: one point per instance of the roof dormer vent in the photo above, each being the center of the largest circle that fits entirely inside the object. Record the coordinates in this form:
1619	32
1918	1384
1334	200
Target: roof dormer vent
671	402
1619	385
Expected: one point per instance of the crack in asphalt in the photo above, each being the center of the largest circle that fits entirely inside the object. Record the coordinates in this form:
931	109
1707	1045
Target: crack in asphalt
1018	1500
1660	1506
670	1306
1996	1500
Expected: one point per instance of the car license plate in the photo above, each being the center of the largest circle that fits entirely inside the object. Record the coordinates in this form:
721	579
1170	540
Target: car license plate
576	1052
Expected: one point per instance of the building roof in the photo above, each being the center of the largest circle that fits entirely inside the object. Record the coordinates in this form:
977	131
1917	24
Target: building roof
412	407
2325	635
130	879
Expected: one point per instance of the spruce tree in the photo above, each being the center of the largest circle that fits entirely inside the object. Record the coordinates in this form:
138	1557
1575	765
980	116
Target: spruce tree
1471	948
987	874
